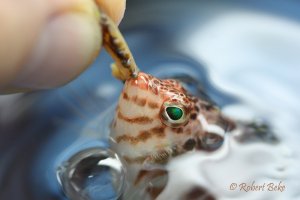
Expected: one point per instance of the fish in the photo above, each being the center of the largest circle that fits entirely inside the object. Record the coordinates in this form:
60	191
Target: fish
158	119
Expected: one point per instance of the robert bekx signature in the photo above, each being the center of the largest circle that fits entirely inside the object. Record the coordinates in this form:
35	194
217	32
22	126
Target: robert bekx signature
252	187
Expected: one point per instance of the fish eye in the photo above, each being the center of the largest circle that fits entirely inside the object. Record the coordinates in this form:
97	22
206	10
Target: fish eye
173	115
174	112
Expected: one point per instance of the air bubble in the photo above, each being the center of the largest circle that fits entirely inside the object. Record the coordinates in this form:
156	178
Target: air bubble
92	174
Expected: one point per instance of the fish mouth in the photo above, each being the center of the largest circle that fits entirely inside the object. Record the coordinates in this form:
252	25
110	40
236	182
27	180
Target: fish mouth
212	136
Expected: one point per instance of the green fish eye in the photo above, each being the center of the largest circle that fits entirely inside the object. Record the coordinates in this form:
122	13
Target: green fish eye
174	113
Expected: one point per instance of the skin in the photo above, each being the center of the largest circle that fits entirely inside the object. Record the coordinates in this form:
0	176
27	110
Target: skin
45	44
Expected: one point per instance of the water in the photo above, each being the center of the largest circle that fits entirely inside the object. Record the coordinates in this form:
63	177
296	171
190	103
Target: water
93	173
242	55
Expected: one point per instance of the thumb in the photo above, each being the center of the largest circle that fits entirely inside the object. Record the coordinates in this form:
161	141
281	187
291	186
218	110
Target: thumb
47	43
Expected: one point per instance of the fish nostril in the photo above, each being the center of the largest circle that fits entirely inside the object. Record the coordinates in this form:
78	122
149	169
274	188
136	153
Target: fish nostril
193	116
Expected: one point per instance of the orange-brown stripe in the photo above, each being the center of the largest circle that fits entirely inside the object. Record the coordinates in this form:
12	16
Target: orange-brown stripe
177	130
143	136
125	96
135	99
137	120
153	105
158	131
139	101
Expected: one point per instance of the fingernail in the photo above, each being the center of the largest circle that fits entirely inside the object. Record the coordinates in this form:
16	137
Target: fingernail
67	44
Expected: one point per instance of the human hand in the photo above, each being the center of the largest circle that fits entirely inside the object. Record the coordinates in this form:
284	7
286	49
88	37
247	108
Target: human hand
45	44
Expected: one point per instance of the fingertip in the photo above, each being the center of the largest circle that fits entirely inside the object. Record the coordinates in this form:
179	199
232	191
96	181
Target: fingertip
66	47
114	8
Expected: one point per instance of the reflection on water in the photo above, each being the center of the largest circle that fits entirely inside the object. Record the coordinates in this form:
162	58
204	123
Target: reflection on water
242	56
